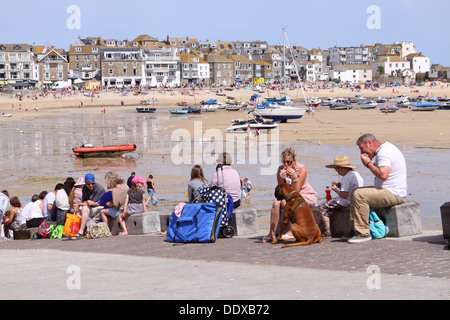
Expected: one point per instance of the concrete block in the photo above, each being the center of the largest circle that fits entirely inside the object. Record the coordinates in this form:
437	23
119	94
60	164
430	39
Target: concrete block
340	224
245	221
137	224
25	234
143	223
445	217
402	220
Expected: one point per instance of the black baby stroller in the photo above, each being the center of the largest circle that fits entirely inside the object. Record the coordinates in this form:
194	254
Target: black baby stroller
221	199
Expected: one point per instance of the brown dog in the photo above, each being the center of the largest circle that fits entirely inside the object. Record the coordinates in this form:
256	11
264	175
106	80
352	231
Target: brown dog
297	211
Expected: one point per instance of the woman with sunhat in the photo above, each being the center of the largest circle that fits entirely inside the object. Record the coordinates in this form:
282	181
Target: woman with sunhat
350	181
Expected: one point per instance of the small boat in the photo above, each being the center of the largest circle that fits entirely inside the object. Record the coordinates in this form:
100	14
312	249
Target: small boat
445	106
182	103
359	98
425	106
182	111
389	109
280	113
233	107
329	101
90	151
209	107
403	103
8	115
369	105
341	106
256	122
145	110
192	110
313	102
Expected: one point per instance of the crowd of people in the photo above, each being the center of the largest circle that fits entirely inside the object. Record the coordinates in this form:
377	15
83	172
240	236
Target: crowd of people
90	200
85	198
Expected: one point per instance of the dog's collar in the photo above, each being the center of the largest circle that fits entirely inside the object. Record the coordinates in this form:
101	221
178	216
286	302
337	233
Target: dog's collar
293	199
296	198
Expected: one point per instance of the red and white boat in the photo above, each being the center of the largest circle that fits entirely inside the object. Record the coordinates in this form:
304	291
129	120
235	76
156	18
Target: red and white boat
89	151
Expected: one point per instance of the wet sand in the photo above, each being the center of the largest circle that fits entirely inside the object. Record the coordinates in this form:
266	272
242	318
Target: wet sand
37	145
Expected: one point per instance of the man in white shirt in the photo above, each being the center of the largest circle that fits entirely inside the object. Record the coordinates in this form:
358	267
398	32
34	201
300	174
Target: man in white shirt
388	165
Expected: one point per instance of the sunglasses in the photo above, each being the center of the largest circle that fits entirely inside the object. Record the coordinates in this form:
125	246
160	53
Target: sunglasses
288	162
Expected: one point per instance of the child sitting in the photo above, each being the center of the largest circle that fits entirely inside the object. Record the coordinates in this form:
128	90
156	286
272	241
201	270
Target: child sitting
134	203
350	181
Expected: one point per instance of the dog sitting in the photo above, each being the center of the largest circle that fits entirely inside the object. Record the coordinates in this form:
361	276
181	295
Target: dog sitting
297	211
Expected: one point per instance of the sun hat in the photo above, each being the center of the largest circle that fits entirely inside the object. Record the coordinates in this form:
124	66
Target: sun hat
138	179
89	178
79	182
341	162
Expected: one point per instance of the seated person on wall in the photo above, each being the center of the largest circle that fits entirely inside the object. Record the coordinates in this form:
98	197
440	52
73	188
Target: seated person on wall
119	189
231	179
388	165
92	193
351	180
295	175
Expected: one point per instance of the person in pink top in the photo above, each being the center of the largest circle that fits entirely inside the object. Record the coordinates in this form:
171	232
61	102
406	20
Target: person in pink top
230	176
294	174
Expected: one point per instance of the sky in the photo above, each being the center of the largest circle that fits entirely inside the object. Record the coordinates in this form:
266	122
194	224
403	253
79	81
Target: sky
311	24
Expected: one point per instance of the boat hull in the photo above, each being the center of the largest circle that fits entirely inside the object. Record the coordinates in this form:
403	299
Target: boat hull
103	151
146	110
282	114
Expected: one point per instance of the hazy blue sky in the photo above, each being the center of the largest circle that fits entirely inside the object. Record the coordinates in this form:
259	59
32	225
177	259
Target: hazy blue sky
310	24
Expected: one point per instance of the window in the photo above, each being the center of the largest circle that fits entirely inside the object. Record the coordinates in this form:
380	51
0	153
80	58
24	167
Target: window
78	49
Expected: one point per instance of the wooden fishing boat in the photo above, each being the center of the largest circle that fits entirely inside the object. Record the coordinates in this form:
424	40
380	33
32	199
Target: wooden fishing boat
90	151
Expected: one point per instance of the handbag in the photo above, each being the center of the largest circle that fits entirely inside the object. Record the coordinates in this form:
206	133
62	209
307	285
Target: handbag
56	231
377	227
72	225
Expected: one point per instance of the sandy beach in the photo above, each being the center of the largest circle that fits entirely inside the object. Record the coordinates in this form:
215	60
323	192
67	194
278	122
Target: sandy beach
37	145
405	127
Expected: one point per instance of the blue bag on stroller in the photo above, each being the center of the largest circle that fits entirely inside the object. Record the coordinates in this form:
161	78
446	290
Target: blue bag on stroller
199	222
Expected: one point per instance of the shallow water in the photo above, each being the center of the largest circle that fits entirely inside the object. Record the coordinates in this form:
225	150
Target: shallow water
37	154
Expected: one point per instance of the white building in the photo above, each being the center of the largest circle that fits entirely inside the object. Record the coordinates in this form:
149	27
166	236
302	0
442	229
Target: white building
194	69
351	73
390	64
419	62
161	66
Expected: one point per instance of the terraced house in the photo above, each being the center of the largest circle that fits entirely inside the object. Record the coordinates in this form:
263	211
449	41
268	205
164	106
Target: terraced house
17	66
53	65
194	69
84	59
160	62
121	63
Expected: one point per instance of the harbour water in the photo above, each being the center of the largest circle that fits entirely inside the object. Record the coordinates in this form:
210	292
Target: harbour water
37	154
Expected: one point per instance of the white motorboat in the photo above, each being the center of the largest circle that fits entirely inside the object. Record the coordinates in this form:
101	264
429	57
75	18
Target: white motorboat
209	107
403	103
281	113
256	122
329	101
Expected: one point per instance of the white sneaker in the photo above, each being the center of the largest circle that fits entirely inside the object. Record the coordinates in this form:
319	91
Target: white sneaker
358	239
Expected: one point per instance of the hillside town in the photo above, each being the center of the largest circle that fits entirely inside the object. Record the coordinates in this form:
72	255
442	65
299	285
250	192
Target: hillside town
173	62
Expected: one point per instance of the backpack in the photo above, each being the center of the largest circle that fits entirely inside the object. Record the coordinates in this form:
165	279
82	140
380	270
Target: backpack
44	230
377	227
